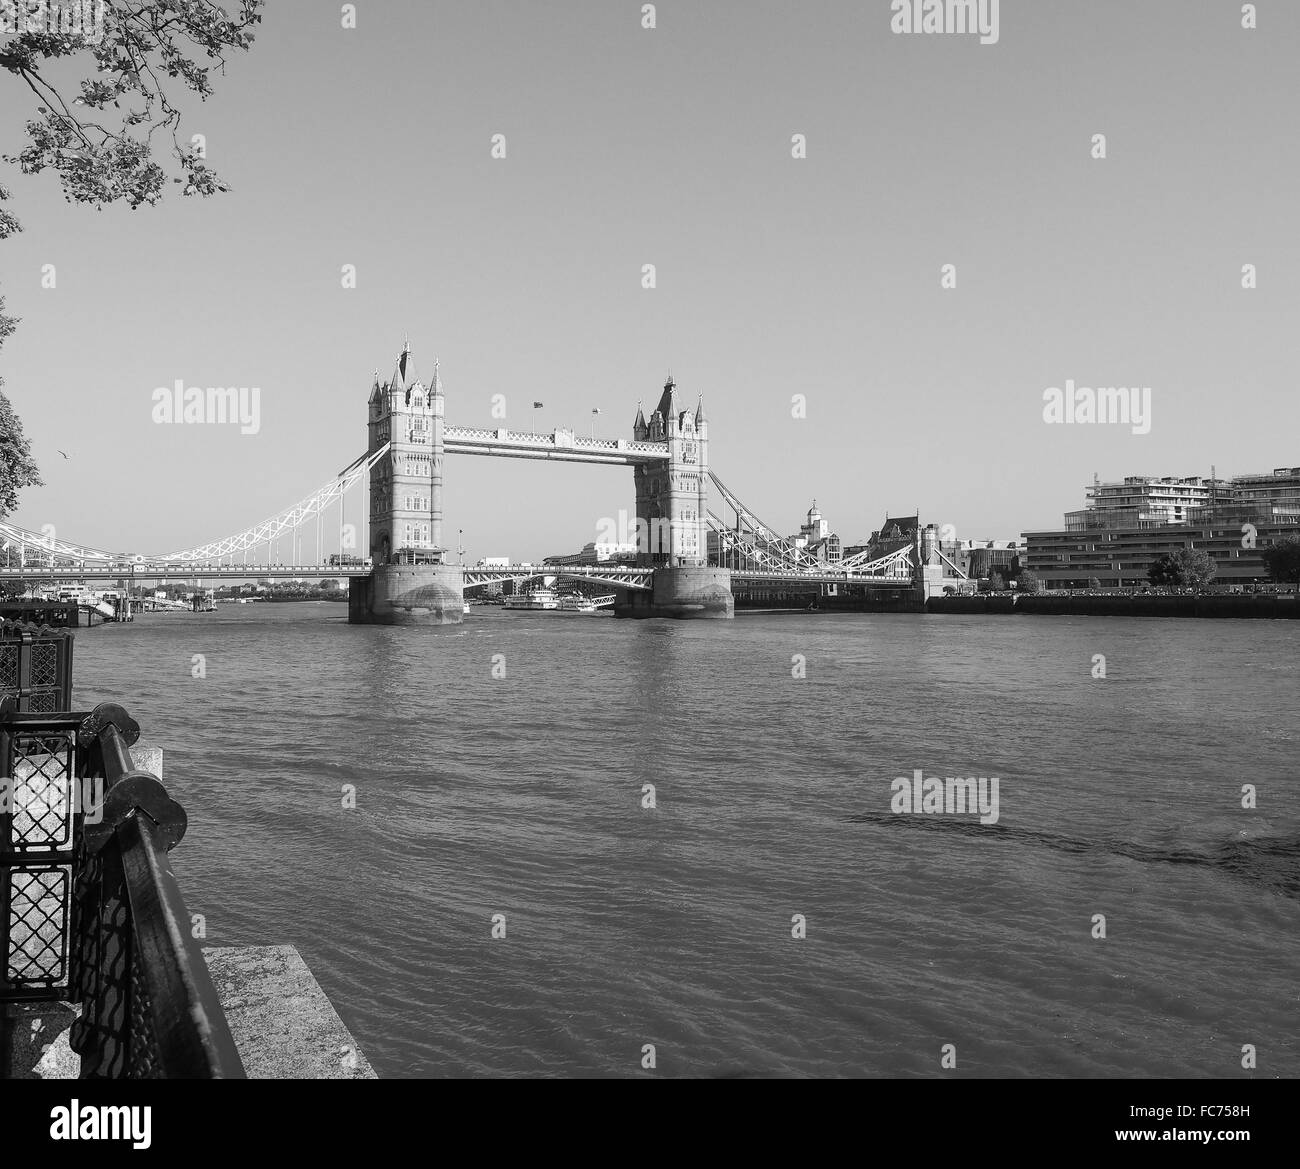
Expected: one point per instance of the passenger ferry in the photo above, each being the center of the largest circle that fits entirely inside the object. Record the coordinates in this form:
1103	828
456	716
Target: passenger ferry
537	599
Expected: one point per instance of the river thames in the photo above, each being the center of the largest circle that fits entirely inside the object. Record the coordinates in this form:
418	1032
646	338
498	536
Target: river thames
522	795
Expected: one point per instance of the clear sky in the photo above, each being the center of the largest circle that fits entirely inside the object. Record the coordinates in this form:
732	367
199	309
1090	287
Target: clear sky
775	275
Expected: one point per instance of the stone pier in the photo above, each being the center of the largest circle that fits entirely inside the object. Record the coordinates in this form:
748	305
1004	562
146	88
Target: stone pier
408	594
691	592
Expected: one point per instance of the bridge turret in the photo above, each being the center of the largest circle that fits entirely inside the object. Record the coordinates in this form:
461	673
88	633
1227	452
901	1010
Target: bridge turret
639	427
668	407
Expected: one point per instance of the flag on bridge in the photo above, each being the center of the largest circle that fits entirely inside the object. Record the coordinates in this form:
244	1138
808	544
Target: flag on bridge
537	405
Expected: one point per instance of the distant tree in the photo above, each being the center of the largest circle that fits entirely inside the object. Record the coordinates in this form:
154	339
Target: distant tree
329	585
998	579
1282	559
1028	582
1183	568
1094	583
1198	567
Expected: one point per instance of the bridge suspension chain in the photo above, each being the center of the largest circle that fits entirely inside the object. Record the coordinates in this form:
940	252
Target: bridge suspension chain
48	550
766	544
287	520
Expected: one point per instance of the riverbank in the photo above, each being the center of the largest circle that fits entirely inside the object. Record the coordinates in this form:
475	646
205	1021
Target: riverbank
1076	605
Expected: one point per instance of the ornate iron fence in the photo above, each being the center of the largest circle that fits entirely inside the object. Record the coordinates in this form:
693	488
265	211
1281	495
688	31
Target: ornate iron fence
90	909
35	667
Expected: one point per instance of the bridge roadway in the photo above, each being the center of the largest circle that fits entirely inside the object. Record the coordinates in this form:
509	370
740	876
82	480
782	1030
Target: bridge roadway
180	572
614	576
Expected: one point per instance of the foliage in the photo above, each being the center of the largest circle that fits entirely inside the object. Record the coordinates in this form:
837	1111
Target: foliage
144	46
1282	559
17	470
1183	568
1028	582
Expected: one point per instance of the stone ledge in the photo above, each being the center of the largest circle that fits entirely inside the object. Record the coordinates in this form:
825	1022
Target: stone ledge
282	1022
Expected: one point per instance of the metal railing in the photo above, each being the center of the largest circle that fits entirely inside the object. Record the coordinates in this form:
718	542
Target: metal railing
90	910
36	664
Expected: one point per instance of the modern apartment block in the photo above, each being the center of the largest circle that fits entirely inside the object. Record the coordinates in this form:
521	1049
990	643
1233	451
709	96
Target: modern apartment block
1142	501
1276	495
1128	525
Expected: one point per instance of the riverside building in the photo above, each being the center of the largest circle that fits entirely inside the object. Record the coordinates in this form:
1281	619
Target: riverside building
1128	525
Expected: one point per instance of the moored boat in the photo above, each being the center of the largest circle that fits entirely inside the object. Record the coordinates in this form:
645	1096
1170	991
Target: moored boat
535	600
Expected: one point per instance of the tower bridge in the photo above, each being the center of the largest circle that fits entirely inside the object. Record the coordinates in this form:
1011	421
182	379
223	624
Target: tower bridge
407	578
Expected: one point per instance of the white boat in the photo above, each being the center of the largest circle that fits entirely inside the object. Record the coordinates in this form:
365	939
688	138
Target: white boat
573	603
535	600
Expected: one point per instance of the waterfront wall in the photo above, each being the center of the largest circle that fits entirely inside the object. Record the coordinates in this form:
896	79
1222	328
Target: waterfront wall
846	599
1049	604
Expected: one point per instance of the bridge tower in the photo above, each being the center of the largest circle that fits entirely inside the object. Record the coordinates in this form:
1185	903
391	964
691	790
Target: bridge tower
672	496
672	507
410	583
405	508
